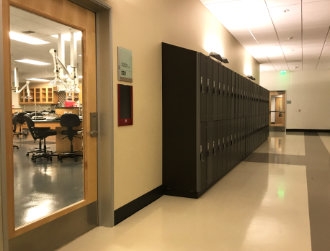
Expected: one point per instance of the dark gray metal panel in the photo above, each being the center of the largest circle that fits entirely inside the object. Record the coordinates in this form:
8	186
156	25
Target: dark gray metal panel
179	67
225	94
204	153
215	89
204	87
220	155
220	92
212	149
209	75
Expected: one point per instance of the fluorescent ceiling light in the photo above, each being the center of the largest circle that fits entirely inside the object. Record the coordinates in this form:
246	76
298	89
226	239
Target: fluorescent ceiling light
31	61
67	36
38	80
26	38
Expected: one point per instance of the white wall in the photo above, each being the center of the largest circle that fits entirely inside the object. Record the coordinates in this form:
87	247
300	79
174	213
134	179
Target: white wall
309	93
141	26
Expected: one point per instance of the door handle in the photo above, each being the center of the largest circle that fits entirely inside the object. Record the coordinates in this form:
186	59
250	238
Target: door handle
93	124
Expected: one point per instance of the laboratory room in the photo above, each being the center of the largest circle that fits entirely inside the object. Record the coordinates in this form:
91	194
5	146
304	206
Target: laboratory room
47	116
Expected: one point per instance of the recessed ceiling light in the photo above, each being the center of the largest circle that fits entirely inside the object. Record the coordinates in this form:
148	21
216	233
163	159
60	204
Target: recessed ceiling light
67	36
31	61
37	79
20	37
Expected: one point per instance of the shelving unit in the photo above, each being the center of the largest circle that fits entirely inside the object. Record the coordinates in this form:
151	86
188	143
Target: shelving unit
39	95
212	119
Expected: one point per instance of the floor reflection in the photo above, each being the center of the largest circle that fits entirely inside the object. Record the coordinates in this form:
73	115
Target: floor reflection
43	187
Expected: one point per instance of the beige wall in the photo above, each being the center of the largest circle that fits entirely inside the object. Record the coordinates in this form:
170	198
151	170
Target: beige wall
141	26
309	93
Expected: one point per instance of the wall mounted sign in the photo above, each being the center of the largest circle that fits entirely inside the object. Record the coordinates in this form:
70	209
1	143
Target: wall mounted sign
124	64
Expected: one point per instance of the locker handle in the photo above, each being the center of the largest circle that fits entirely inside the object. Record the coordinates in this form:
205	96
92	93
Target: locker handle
201	155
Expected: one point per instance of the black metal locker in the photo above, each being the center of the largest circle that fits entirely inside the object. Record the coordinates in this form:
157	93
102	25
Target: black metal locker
203	86
229	92
219	168
220	92
212	150
232	94
215	89
212	118
227	144
209	82
203	157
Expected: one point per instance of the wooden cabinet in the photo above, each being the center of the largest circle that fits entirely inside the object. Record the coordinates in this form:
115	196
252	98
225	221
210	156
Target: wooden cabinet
73	96
39	95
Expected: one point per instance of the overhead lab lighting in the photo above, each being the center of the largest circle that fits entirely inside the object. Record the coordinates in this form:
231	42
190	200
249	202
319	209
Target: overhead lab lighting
38	80
31	61
67	36
23	38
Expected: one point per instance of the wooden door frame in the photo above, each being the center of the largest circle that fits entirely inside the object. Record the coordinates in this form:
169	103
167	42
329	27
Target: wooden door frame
277	127
104	105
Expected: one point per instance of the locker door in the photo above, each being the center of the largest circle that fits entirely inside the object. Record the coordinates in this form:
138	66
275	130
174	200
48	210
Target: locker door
229	90
236	142
220	91
215	89
227	144
224	94
209	83
220	165
203	86
219	151
203	158
224	155
232	94
211	147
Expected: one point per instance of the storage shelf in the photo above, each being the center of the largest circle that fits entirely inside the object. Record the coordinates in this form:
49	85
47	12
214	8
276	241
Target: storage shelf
39	95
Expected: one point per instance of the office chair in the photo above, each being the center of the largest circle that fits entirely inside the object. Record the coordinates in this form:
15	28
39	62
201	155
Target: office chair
39	133
70	121
14	132
18	119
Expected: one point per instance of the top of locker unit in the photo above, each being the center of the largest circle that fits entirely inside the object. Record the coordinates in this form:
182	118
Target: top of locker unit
164	45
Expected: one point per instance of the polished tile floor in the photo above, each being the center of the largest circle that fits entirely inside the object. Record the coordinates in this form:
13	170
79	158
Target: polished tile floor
277	199
43	187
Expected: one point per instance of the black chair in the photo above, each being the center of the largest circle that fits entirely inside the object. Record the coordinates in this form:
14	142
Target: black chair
71	122
14	131
40	133
18	120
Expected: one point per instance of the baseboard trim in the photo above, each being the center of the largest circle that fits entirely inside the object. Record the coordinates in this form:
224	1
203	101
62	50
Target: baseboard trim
308	130
132	207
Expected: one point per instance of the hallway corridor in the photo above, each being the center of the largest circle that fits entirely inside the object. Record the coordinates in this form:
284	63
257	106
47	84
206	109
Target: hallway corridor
277	199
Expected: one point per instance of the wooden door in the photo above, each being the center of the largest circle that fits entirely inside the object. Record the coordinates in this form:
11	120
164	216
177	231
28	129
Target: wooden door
67	13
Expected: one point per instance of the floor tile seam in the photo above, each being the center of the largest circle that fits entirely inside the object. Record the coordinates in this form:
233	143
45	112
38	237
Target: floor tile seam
280	159
319	222
309	154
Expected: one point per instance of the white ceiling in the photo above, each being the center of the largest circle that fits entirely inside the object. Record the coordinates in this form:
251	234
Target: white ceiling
288	35
36	26
280	34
